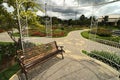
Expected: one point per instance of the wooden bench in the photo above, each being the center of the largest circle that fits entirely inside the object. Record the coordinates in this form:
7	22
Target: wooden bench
33	56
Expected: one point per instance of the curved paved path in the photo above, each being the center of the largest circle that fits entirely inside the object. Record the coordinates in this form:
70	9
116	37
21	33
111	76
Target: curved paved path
75	66
75	42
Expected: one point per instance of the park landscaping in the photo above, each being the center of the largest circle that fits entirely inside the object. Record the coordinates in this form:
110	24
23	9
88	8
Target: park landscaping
111	59
101	34
8	72
56	32
1	30
8	64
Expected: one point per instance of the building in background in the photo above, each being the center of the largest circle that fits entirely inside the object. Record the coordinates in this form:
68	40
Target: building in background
112	19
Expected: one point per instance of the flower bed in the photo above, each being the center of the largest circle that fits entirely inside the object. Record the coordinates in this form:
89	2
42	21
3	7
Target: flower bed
60	34
111	41
102	32
1	30
39	34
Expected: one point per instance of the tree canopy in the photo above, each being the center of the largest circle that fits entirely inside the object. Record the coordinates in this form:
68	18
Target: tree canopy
27	8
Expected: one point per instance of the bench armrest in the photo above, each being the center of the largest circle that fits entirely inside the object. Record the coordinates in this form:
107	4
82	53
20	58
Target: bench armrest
22	57
61	48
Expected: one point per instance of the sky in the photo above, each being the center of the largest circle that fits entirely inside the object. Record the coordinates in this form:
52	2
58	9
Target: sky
73	9
67	9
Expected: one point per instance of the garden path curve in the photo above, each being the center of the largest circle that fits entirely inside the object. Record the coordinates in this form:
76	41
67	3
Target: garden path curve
75	66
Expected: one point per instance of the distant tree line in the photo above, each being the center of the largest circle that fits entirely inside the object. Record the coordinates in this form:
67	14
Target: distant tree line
82	21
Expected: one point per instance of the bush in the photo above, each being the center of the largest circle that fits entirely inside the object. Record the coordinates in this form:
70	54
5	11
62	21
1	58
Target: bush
102	32
1	30
6	74
40	34
7	48
58	33
111	56
116	39
7	51
107	57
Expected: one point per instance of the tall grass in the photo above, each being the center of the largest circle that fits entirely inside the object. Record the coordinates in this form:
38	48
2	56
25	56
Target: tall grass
110	58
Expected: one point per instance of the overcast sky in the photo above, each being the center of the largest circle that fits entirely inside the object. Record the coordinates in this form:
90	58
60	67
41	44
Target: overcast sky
67	9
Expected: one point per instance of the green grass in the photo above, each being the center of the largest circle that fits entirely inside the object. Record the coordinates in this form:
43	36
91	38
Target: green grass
109	58
6	74
86	34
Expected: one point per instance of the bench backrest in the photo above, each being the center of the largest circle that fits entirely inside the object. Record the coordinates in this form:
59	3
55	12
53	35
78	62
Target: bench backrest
37	50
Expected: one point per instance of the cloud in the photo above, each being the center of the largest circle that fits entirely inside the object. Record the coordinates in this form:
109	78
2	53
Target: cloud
89	2
71	8
9	9
113	8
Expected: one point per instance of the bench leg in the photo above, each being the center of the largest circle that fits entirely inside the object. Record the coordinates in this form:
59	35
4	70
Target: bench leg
62	55
26	76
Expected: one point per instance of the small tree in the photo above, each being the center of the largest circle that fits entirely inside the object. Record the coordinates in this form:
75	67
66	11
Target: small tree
105	20
10	20
118	23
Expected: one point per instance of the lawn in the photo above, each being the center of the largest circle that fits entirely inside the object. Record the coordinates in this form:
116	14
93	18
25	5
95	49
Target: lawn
86	34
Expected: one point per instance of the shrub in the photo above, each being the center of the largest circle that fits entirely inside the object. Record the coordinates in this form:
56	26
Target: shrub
1	30
116	39
38	34
60	34
6	74
107	57
54	27
7	48
102	32
113	57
